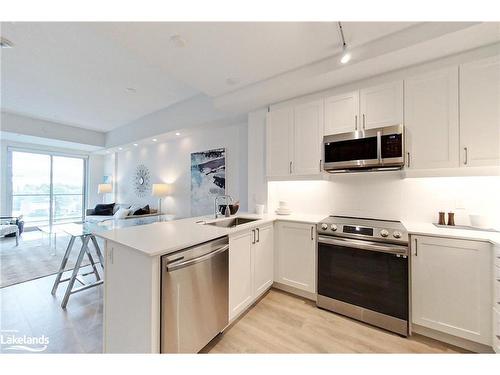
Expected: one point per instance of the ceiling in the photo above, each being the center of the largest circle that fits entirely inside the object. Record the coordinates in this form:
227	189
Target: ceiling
78	73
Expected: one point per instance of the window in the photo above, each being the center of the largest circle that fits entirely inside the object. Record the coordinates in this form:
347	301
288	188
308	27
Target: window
47	188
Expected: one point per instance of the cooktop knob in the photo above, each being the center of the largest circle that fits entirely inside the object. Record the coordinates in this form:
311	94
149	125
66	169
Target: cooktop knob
397	234
324	226
333	227
384	233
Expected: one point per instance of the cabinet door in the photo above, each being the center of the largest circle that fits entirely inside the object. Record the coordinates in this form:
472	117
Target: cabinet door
240	273
431	119
308	136
341	113
381	105
480	113
451	287
279	142
297	255
263	260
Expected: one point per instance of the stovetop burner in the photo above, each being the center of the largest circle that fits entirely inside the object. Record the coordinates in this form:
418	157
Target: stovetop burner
364	228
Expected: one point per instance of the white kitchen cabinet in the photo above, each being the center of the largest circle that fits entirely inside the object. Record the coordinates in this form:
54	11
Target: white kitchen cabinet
307	138
294	137
240	273
296	255
263	260
341	113
381	105
279	131
251	269
431	119
480	113
451	286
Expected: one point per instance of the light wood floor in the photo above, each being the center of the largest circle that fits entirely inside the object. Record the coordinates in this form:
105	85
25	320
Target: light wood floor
278	323
282	323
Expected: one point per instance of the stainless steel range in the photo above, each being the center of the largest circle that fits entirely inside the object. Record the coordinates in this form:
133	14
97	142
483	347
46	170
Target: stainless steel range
363	270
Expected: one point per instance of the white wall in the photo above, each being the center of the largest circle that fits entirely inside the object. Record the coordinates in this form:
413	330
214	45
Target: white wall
257	183
170	162
388	196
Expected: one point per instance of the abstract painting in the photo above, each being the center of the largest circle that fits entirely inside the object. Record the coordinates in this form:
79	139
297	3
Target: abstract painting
208	179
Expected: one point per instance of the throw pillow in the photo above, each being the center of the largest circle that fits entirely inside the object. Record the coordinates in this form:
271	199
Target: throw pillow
104	209
143	211
122	213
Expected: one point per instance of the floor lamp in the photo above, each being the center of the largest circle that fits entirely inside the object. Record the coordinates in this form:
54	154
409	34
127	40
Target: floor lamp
160	191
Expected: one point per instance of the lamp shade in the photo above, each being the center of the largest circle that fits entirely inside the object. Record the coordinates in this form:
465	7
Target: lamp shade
104	188
160	190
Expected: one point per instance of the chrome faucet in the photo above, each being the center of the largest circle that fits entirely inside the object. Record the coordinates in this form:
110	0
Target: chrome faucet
216	208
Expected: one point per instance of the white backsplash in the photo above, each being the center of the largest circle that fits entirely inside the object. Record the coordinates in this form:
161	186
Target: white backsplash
389	196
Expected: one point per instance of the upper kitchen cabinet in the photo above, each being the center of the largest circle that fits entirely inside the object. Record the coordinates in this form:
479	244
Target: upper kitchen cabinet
381	105
480	113
307	135
279	142
431	119
342	113
294	136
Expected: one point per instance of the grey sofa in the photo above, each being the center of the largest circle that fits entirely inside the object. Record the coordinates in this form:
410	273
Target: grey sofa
89	213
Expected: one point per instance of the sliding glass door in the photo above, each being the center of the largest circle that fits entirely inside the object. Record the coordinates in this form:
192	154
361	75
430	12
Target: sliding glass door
47	188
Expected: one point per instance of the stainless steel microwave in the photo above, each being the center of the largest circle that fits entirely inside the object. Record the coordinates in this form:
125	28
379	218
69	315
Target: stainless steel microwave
365	150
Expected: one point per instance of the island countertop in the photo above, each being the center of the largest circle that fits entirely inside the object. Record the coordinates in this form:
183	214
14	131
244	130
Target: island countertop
166	237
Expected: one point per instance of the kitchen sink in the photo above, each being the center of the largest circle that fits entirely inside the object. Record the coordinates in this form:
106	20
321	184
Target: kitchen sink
231	222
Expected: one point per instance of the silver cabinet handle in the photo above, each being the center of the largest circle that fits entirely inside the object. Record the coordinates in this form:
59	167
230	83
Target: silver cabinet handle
320	165
364	121
290	167
466	156
355	122
408	159
253	232
258	235
312	234
416	247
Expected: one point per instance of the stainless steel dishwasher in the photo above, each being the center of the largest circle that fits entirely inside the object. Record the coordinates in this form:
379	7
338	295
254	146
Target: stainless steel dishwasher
194	296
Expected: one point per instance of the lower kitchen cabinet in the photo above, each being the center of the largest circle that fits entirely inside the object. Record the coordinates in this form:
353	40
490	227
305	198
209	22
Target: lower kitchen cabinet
451	287
250	267
263	260
296	255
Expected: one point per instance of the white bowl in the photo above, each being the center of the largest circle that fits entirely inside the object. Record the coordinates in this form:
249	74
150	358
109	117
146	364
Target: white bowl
479	221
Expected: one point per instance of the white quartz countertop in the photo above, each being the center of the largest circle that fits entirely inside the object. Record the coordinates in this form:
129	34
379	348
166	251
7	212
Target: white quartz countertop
429	229
166	237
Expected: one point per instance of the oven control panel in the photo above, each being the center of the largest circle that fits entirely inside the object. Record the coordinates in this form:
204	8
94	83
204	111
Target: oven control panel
369	229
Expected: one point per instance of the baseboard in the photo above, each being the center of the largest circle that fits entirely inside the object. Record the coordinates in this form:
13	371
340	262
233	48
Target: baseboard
452	340
296	291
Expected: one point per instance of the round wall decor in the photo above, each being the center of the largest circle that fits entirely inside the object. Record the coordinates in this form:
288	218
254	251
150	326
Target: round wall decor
142	179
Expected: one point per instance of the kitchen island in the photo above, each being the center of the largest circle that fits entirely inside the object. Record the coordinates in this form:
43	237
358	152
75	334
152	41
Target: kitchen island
271	250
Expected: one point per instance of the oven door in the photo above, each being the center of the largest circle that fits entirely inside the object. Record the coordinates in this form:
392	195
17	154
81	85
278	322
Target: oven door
359	149
365	280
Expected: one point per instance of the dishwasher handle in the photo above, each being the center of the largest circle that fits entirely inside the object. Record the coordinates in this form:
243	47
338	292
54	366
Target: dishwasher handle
175	266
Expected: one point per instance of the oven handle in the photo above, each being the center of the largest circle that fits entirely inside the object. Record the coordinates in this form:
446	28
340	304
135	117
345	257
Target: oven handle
364	245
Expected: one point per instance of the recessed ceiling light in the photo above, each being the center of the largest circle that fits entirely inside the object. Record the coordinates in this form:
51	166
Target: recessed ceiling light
154	139
177	133
232	81
5	43
135	144
177	41
130	90
119	148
